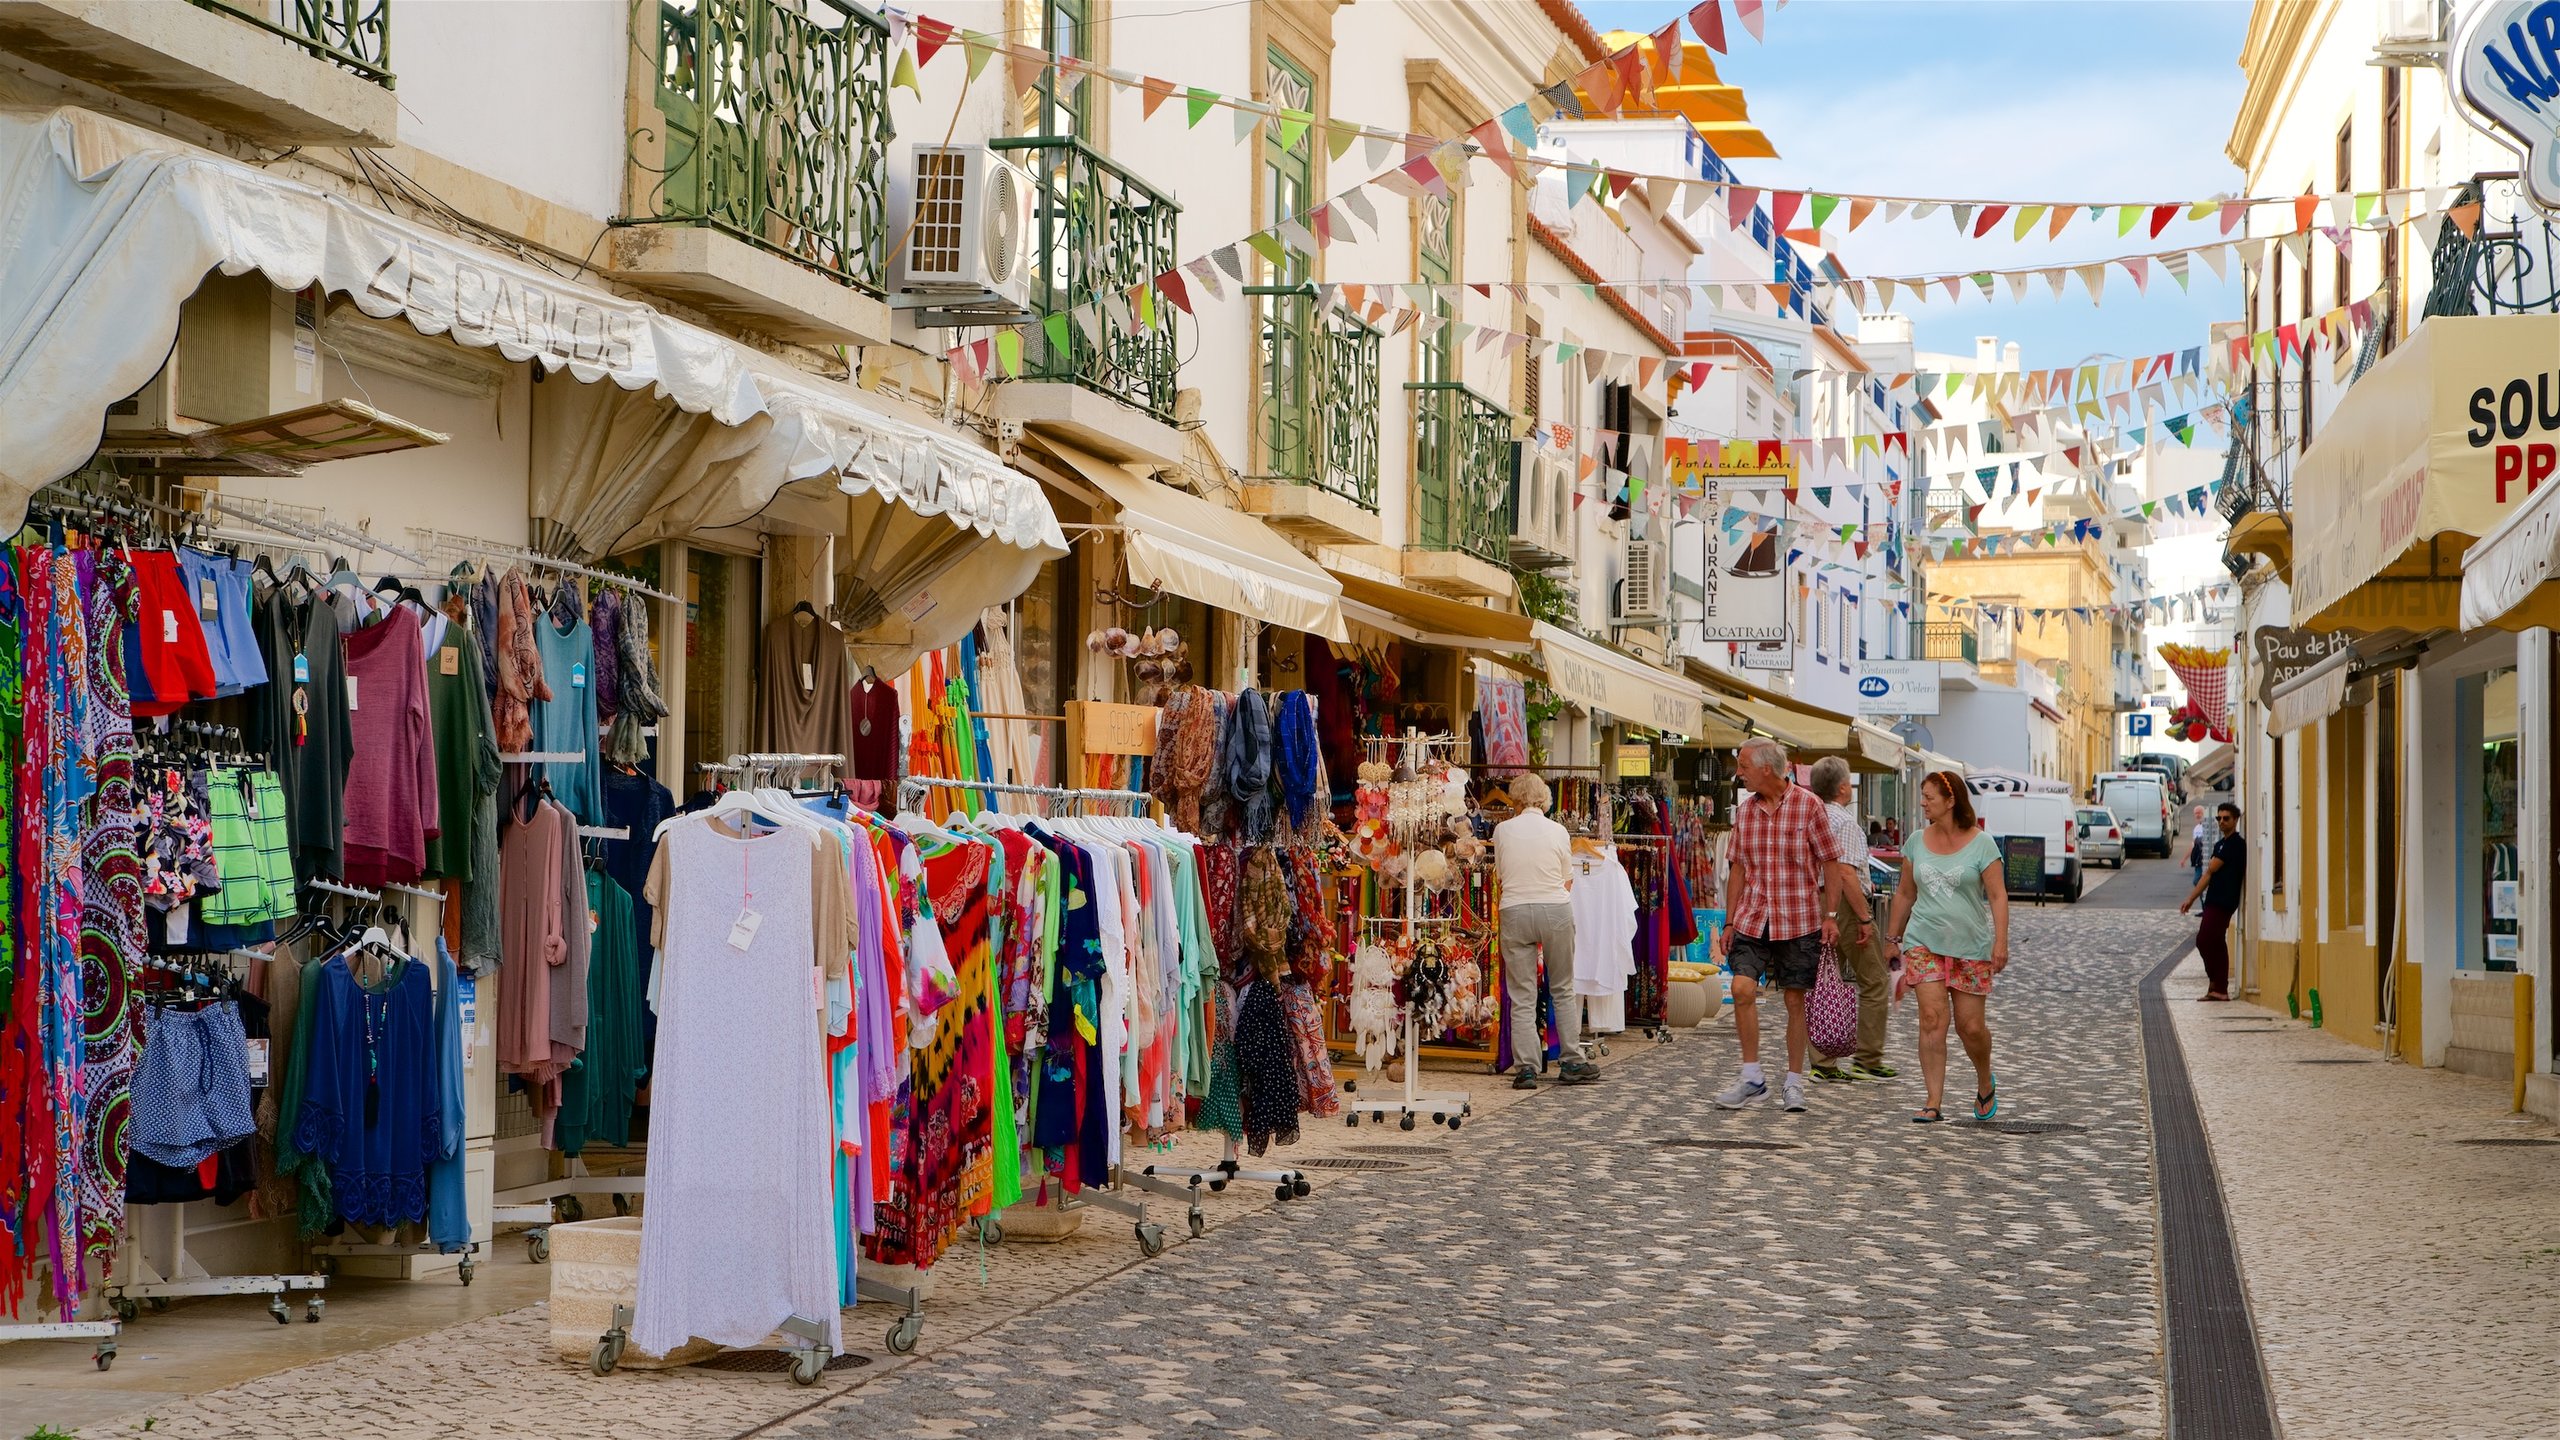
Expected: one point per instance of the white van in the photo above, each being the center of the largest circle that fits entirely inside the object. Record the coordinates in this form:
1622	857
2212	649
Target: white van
2141	800
2053	817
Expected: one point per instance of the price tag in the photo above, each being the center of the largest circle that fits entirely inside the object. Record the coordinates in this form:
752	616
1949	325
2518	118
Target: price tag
301	668
257	1062
208	599
448	661
168	627
351	692
578	677
743	933
808	678
467	1000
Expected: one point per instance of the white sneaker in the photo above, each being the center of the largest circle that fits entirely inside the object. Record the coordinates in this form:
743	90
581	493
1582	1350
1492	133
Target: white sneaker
1795	1094
1741	1093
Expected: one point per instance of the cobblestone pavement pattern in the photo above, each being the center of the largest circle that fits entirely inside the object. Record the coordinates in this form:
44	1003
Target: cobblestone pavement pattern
1568	1273
1552	1270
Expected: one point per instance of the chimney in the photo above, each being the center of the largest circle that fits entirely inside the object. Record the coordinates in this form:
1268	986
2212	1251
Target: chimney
2009	356
1986	350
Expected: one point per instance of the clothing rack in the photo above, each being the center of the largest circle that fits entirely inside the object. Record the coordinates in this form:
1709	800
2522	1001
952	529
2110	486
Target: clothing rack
449	542
1053	792
301	522
1444	1107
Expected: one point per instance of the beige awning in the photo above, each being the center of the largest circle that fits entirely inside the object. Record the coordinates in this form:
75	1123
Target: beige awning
1204	551
1596	677
2431	450
2312	696
1429	619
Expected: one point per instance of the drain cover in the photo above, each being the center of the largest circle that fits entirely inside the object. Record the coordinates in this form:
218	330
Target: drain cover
1693	1144
2517	1142
2349	1061
1349	1162
2024	1127
1407	1150
771	1362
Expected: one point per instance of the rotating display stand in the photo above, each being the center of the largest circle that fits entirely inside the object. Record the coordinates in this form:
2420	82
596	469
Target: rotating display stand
1444	1107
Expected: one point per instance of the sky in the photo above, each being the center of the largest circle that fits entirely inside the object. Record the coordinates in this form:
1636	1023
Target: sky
2004	100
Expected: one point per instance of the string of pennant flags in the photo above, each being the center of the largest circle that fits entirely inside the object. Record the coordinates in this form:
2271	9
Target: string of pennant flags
1621	82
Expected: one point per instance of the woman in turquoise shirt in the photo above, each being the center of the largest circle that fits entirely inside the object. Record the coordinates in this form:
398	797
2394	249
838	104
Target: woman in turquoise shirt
1951	922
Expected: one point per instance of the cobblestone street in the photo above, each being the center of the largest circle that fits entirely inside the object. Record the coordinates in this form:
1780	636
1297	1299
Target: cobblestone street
1617	1261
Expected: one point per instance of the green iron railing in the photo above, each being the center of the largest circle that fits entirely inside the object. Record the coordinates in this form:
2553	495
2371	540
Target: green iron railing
1097	231
1461	469
351	34
1318	400
777	129
1948	640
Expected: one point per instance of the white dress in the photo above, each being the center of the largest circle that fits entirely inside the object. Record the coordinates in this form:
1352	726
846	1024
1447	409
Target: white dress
1604	938
738	1234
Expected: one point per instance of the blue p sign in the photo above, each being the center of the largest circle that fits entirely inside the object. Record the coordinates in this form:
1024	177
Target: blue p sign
2138	724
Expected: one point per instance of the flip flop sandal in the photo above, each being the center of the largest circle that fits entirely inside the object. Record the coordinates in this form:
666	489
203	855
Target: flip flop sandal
1929	1116
1990	1098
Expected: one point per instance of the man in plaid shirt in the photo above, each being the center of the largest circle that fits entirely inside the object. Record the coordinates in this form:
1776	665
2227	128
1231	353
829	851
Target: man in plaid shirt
1777	904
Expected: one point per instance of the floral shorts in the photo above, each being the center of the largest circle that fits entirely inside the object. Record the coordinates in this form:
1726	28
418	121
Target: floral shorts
1919	968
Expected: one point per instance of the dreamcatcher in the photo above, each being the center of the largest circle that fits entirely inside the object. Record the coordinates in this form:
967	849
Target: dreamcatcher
1372	1006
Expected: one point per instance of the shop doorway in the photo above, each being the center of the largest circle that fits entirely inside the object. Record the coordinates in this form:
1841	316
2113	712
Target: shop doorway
721	595
2487	760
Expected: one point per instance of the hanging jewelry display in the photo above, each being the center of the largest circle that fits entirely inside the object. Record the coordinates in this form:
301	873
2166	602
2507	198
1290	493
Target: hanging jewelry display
1374	1021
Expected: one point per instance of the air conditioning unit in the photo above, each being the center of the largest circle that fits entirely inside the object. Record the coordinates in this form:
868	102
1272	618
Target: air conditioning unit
245	350
1644	595
1541	508
965	216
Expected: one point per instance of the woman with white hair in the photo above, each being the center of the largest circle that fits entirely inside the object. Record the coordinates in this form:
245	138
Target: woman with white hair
1533	863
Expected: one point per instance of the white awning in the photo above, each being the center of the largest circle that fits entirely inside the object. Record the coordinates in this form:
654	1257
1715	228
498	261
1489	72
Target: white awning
1931	762
106	228
2312	696
1596	677
1206	552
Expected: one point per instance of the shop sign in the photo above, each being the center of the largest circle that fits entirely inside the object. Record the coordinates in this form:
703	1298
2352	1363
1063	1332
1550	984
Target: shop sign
1772	655
2507	77
1898	687
1743	576
1635	763
1107	729
2283	653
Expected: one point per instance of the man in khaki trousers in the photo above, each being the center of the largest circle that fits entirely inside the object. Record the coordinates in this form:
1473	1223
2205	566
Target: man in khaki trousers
1860	945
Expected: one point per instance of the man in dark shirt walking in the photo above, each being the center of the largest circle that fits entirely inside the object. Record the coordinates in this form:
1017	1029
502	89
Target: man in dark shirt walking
2226	874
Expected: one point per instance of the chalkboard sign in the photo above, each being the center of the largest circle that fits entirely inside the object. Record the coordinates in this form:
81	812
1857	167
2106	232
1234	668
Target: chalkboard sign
2022	858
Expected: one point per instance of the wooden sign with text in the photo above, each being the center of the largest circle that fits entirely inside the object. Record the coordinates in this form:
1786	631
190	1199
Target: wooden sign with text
1102	728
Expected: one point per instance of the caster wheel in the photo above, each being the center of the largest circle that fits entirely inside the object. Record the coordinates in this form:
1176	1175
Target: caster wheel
159	1304
1453	1124
1350	1087
568	1208
1351	1120
1302	1189
1439	1119
311	1312
608	1355
125	1309
106	1358
1150	1241
621	1204
991	1230
902	1336
1199	1226
1218	1186
1282	1191
325	1264
276	1308
465	1270
1377	1117
807	1367
537	1247
1406	1123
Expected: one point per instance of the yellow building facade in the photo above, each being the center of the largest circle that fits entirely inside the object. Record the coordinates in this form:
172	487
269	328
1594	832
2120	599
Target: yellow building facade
2077	654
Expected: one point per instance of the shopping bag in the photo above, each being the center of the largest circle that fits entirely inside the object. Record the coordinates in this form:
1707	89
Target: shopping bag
1831	1011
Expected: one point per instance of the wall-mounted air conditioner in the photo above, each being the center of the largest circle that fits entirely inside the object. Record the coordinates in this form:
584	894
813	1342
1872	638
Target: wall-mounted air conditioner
964	215
1644	595
1541	507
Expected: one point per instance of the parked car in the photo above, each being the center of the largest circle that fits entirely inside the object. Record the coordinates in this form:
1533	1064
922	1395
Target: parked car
2051	817
2141	800
2101	837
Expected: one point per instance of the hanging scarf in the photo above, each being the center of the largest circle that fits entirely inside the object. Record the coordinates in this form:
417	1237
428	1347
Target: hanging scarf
1248	761
1265	910
642	705
1187	750
1294	747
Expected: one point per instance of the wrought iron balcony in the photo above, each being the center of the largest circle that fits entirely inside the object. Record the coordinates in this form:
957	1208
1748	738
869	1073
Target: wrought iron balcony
1946	640
2257	467
774	118
1098	230
354	35
1317	407
2509	261
1461	470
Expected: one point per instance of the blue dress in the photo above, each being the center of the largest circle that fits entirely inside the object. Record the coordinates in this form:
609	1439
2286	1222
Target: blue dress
371	1110
567	721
